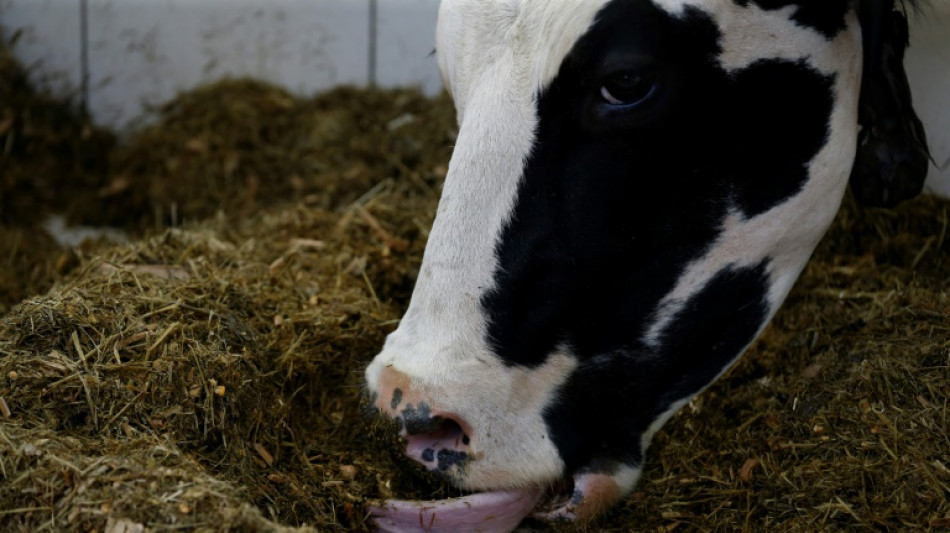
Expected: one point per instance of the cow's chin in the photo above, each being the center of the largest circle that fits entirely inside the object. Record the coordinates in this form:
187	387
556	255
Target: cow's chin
445	450
580	498
508	462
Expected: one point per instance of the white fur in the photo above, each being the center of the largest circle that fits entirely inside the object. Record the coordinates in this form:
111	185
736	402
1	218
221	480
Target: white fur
626	477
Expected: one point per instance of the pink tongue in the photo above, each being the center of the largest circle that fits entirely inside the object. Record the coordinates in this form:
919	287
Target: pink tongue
484	512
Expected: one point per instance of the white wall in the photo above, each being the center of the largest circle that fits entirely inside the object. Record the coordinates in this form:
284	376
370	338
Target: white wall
142	52
138	53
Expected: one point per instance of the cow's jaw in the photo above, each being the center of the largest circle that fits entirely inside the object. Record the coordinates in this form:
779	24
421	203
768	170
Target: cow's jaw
505	376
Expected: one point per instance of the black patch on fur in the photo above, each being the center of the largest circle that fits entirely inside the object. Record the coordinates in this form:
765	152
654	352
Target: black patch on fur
824	16
615	203
780	121
610	209
608	403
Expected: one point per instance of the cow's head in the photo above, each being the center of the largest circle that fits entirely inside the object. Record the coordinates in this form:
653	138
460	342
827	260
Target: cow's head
635	187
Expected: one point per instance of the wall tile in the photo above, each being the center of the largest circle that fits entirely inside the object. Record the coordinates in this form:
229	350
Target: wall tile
405	42
143	52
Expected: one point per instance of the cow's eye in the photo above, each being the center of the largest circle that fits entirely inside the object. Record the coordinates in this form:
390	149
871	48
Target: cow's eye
626	89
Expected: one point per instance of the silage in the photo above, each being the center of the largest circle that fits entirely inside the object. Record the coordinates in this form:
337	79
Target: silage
236	349
51	158
49	152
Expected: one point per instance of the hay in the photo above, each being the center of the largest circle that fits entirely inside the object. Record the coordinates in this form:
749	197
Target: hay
50	159
30	261
49	153
236	348
207	376
145	477
240	146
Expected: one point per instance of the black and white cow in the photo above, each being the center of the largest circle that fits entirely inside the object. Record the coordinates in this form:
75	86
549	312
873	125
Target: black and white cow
635	187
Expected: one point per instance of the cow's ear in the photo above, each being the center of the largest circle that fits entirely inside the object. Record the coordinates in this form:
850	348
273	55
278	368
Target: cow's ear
892	158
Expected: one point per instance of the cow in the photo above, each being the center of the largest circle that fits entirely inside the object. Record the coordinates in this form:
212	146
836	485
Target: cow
635	188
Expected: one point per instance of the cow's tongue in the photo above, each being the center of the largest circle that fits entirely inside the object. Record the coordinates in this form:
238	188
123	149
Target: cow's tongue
485	512
435	442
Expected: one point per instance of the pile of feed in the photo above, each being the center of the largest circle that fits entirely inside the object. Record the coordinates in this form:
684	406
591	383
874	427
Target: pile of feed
207	376
50	158
172	380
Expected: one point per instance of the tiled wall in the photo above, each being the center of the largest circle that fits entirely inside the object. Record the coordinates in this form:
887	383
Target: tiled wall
121	56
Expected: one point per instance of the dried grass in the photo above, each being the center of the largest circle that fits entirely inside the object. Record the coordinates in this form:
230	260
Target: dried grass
50	157
234	348
48	151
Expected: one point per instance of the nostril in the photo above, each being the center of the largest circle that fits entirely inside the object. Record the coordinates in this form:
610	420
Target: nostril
443	447
418	419
438	428
440	440
450	429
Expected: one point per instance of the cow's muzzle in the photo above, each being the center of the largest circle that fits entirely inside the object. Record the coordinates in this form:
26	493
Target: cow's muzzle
439	440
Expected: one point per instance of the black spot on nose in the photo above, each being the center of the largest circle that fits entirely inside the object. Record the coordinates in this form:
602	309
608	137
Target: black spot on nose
428	455
419	420
450	458
465	440
397	398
